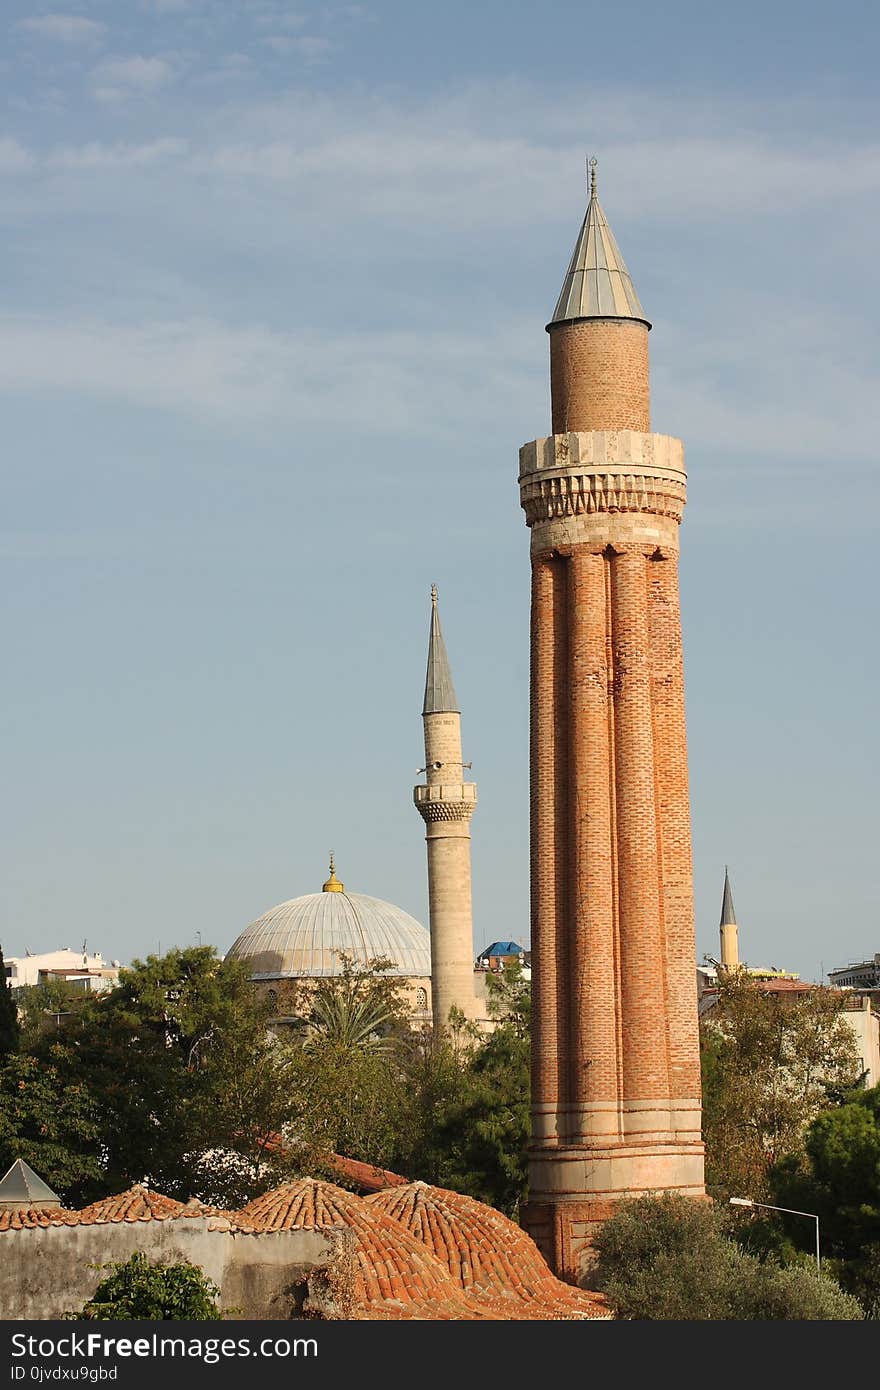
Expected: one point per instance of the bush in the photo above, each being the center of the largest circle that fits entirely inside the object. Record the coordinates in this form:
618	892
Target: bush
139	1289
668	1258
794	1291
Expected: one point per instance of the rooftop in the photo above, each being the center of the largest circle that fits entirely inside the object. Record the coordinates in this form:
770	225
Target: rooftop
420	1252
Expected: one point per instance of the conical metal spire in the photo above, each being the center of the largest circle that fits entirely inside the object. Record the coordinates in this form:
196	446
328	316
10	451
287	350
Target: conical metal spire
728	916
598	284
439	690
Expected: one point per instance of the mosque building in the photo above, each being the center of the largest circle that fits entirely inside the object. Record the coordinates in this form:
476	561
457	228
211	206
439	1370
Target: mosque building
312	937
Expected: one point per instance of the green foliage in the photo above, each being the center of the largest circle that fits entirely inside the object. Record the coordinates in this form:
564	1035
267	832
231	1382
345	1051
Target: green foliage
10	1032
140	1289
838	1177
668	1258
45	1008
178	1063
480	1137
452	1111
51	1123
358	1010
770	1065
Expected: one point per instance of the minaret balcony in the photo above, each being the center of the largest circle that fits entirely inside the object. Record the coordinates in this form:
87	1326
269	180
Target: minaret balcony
446	800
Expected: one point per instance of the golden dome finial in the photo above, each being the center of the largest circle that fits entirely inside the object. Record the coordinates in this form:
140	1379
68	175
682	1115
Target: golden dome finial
592	167
333	885
433	595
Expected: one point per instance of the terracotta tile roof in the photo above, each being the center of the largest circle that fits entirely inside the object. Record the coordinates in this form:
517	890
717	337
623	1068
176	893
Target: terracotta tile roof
486	1254
365	1176
421	1252
785	986
396	1276
27	1220
139	1203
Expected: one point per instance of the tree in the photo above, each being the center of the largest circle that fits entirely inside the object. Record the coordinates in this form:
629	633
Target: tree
51	1123
838	1177
47	1007
258	1132
360	1009
770	1065
481	1139
668	1258
163	1054
10	1033
141	1289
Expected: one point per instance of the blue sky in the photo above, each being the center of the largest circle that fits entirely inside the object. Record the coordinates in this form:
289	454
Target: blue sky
271	333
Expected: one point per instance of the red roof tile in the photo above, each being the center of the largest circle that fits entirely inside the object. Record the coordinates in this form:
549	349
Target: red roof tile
486	1254
139	1203
365	1176
396	1276
25	1220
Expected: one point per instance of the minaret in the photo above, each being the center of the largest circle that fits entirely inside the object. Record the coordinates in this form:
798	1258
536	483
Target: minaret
729	936
615	1054
446	805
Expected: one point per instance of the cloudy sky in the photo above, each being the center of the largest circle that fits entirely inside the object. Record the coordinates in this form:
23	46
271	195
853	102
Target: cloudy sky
274	285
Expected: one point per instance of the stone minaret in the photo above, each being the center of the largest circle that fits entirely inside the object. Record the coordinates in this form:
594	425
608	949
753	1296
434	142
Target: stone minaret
615	1056
729	930
446	805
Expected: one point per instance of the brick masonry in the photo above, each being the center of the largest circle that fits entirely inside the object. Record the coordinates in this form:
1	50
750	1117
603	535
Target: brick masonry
615	1070
599	375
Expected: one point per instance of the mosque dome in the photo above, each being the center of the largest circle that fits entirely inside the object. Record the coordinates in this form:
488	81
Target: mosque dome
306	937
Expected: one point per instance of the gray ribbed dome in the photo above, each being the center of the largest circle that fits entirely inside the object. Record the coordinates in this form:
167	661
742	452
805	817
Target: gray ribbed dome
304	937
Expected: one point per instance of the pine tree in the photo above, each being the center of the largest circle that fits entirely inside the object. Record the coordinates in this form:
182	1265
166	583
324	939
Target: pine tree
9	1029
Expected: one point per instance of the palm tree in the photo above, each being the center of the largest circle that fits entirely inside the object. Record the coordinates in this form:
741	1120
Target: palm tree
356	1010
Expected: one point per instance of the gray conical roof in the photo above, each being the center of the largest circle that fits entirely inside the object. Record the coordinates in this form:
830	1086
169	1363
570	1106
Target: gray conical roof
598	284
21	1184
728	916
439	690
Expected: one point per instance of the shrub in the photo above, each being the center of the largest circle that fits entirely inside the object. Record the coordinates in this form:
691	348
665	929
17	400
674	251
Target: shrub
668	1258
140	1289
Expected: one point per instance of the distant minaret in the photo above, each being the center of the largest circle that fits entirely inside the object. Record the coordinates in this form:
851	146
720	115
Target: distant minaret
729	943
446	805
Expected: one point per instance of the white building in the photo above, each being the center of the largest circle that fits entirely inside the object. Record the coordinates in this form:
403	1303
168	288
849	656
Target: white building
863	974
77	968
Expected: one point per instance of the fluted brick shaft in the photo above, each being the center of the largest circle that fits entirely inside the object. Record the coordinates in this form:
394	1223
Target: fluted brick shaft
642	956
674	824
548	824
595	1079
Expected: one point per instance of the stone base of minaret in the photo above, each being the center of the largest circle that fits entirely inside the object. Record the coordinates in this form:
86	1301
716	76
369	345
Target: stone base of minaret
573	1190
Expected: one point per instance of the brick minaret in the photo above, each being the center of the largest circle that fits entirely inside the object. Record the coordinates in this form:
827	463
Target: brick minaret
615	1056
729	930
446	805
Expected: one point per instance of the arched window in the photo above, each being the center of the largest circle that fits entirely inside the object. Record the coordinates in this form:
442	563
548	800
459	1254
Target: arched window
422	999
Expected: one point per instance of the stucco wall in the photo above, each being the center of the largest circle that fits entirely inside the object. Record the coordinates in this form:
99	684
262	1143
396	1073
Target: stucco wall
47	1271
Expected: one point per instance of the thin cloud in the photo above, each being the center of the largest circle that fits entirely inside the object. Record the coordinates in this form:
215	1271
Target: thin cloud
14	158
120	77
65	28
309	46
96	155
